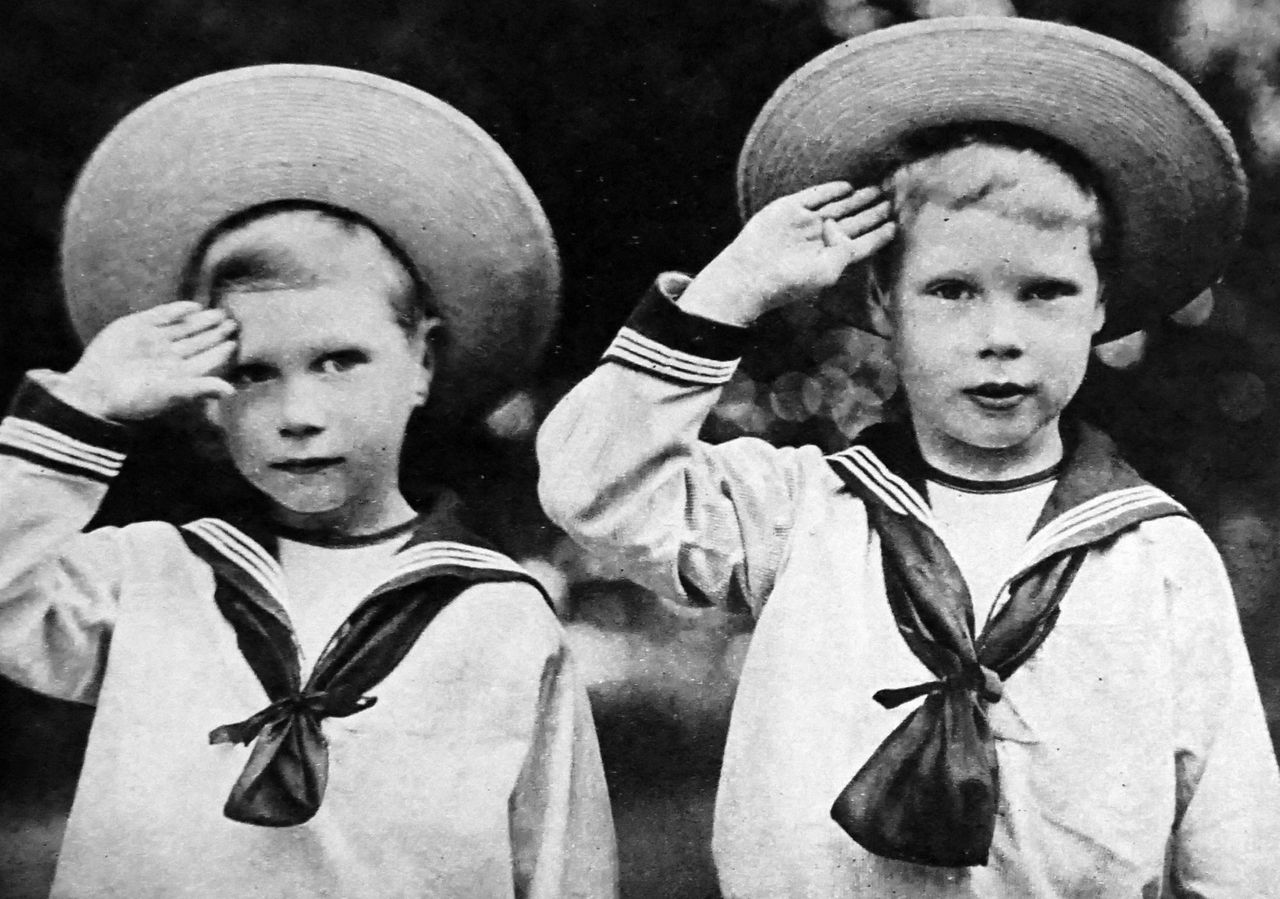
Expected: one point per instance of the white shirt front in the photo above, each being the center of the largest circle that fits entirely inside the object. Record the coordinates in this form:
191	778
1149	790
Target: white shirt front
985	532
1132	747
324	584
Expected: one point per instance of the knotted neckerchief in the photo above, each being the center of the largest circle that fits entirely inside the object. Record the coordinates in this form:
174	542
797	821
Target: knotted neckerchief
284	780
928	794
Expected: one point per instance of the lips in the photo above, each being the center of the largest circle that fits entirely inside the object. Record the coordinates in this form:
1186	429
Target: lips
307	466
999	394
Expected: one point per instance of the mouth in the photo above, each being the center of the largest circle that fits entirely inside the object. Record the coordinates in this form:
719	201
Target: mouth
307	466
999	394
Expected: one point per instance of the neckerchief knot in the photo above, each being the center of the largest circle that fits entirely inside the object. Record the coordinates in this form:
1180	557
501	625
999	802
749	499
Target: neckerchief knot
287	772
316	705
977	679
929	792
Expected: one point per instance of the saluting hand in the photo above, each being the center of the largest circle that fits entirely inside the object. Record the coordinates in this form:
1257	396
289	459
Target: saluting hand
151	361
791	249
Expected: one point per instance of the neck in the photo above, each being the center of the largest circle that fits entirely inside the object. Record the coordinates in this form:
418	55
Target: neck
979	463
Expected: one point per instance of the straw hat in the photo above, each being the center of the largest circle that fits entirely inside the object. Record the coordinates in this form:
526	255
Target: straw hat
1167	165
418	169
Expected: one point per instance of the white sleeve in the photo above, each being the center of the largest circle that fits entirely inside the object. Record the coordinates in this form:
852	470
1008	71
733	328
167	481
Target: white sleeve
1228	788
624	473
562	835
58	586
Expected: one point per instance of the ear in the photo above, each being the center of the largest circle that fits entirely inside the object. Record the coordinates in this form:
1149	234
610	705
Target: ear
211	411
878	300
425	340
1100	310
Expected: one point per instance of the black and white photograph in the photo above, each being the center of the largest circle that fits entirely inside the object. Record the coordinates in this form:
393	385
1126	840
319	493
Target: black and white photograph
688	449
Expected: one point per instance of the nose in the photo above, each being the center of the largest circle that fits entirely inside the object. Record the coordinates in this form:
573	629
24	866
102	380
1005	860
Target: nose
302	408
999	330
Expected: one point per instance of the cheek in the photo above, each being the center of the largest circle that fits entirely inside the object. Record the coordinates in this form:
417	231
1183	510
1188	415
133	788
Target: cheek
923	350
1069	366
241	422
381	409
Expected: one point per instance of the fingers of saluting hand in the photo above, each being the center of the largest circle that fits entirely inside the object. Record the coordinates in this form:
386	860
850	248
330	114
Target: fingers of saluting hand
206	387
865	220
820	195
220	332
850	203
212	358
170	313
196	322
866	244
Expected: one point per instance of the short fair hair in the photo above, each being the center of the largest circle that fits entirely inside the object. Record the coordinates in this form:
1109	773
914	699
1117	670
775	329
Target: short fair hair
254	267
1012	174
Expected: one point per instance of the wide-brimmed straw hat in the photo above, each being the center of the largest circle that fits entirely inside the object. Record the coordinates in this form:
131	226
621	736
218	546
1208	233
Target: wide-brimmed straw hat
420	171
1168	168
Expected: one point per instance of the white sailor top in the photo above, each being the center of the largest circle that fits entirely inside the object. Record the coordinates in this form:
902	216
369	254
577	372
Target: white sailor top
468	767
1132	752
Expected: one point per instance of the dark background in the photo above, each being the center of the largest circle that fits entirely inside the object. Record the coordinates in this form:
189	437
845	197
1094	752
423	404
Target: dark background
626	118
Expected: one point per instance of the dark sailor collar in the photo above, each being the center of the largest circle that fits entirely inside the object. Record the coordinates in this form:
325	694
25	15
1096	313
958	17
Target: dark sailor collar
1097	493
245	551
929	793
285	777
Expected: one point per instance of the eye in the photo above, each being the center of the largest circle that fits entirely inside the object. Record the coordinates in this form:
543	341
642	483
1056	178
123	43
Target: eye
250	373
340	361
1050	289
951	289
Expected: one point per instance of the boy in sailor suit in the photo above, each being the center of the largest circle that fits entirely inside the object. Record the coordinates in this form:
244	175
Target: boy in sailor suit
989	659
335	694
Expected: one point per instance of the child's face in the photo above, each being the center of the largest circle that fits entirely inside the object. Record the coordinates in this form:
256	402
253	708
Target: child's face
325	382
991	321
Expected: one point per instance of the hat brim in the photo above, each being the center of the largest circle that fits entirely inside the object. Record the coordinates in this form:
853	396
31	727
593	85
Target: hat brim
1168	166
426	175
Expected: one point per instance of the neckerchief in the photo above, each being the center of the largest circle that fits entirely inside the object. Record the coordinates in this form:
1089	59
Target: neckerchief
928	794
284	779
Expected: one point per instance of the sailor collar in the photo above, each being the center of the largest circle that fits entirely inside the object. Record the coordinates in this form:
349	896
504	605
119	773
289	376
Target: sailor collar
284	780
1097	493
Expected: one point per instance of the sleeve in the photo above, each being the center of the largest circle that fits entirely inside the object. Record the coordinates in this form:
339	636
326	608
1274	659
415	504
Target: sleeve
1228	788
58	586
624	473
561	822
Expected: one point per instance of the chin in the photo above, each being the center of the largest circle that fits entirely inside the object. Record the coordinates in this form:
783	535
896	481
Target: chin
998	441
1008	439
294	503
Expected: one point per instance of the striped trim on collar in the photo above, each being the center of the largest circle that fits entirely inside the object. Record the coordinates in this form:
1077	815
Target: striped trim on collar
1097	519
438	557
1092	468
413	562
236	546
892	490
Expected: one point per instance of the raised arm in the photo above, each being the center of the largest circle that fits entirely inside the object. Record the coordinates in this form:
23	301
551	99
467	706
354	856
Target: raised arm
623	471
60	446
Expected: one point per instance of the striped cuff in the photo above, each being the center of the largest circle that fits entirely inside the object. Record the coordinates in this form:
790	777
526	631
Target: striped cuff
665	341
43	429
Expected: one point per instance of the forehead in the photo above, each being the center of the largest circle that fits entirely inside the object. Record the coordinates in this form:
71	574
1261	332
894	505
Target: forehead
322	317
981	237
